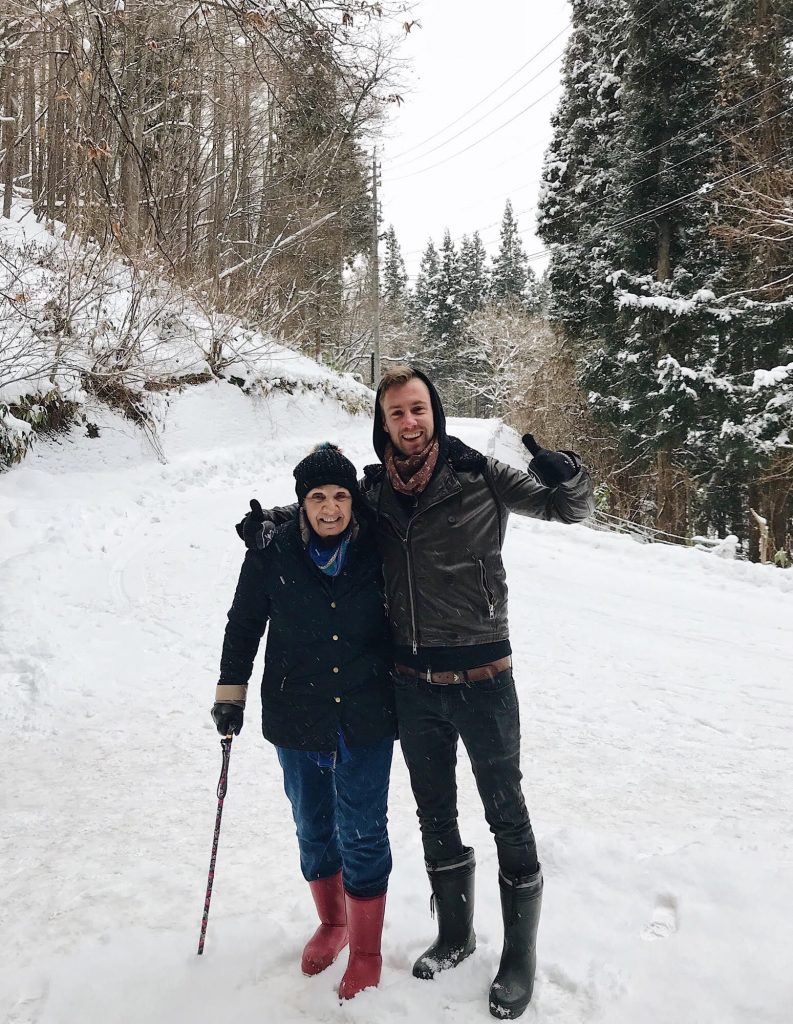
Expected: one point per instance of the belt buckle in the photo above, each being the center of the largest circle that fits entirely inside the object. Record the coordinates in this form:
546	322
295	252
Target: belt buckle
429	675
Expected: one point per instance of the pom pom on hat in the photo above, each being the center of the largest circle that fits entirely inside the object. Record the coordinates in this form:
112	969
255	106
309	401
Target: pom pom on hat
325	465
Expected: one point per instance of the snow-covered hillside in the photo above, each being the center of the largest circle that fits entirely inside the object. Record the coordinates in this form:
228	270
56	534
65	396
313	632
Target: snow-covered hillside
76	323
656	709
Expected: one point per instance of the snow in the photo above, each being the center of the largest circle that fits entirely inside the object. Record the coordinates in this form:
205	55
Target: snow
677	306
770	378
657	743
114	308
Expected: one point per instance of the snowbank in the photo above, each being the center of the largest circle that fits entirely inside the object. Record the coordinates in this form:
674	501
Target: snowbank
86	326
656	717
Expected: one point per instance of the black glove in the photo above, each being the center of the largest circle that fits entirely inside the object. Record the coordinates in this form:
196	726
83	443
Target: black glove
228	718
553	468
254	529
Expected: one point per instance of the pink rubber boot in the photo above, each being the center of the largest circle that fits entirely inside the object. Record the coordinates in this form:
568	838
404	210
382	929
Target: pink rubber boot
331	937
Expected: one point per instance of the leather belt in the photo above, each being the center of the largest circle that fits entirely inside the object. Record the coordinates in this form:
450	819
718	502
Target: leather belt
463	675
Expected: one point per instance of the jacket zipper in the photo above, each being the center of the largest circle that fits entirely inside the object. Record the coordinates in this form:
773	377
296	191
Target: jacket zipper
491	601
412	602
406	542
410	569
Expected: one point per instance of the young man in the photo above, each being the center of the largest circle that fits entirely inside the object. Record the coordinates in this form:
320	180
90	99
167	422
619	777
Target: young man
442	511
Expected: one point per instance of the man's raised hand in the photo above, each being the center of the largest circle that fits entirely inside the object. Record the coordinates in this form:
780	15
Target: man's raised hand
553	468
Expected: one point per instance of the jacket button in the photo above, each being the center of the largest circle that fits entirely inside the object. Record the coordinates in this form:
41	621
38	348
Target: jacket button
335	637
452	519
337	699
335	668
333	604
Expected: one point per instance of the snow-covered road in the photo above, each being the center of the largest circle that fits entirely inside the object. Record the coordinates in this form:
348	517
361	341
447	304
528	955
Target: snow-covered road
657	713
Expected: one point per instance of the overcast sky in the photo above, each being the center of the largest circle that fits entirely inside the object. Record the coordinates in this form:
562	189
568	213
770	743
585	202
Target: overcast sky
463	51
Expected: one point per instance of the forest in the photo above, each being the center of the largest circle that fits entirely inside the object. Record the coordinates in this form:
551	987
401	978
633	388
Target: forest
228	148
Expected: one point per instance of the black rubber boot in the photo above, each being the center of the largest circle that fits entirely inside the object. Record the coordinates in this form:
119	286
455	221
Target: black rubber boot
521	899
452	883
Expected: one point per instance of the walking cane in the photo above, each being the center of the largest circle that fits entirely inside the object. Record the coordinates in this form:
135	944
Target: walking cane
222	784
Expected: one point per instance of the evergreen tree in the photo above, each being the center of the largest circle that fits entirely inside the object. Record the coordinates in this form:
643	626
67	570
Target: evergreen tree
442	319
674	285
637	265
474	273
510	267
394	278
446	313
424	289
578	194
751	462
396	321
531	299
660	333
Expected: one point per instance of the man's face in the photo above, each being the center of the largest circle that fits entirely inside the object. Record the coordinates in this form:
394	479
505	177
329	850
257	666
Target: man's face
407	415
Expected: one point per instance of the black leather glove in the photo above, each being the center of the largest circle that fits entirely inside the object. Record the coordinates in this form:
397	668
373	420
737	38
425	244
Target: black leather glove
228	718
254	529
553	468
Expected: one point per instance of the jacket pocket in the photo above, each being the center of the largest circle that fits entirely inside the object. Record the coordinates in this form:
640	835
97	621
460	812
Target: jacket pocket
487	590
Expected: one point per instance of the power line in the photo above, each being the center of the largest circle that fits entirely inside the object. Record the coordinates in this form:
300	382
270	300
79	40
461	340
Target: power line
484	116
520	113
621	188
470	110
703	189
716	117
700	192
664	170
478	142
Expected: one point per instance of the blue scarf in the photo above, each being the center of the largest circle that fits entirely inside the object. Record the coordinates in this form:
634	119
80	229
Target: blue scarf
330	560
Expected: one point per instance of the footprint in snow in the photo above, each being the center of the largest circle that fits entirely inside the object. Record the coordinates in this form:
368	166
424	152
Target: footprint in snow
664	921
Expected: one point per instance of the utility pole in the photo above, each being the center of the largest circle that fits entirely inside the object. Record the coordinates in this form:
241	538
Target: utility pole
375	276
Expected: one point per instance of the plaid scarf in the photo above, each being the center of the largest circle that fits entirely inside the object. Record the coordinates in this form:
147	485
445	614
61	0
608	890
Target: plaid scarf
410	474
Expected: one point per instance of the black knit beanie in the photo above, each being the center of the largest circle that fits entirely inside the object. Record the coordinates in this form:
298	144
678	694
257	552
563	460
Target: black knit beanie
325	465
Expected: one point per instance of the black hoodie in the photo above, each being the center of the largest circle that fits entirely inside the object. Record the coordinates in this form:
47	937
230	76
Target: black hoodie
452	449
379	434
445	581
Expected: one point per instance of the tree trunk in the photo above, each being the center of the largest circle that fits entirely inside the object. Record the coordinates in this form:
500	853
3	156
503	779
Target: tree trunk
30	107
131	119
672	487
9	133
52	127
664	267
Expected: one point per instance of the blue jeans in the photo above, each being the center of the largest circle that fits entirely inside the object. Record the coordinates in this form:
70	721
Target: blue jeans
341	814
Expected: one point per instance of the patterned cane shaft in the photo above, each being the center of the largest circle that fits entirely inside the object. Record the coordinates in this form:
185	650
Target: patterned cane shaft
222	784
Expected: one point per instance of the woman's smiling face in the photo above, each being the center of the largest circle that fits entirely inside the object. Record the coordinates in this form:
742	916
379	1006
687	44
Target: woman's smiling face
329	509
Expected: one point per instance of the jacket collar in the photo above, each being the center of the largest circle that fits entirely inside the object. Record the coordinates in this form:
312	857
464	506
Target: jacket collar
444	484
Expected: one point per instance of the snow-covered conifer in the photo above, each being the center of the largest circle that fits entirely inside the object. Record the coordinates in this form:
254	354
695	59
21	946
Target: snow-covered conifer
474	273
394	278
510	267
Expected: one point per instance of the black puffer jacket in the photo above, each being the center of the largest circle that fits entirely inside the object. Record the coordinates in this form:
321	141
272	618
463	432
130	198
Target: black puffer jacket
445	581
328	655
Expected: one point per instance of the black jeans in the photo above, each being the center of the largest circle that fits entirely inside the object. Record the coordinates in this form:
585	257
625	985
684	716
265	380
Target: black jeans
485	716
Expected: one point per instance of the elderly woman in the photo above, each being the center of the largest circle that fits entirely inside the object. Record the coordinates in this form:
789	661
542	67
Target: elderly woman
327	703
